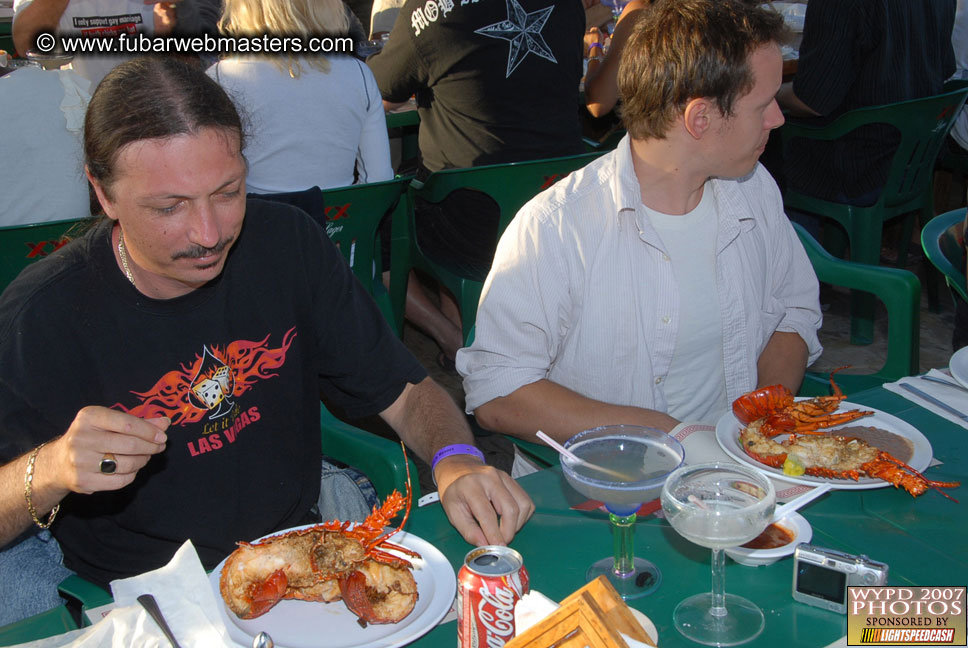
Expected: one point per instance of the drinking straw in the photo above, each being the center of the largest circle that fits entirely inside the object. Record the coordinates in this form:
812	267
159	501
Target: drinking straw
571	455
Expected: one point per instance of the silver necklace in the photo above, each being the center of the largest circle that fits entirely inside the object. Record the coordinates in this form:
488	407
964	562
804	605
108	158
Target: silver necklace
124	257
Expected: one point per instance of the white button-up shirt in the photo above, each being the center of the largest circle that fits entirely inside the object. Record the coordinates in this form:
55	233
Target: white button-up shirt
581	288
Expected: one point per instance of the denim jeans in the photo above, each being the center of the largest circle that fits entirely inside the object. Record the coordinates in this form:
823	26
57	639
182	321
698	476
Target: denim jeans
344	494
32	566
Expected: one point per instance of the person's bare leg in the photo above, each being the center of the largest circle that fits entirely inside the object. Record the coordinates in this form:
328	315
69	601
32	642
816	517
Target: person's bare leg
424	314
448	306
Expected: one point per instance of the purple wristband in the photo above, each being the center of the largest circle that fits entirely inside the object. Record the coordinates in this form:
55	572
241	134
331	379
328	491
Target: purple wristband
455	449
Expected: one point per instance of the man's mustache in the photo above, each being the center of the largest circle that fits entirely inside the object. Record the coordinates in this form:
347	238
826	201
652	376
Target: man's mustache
197	251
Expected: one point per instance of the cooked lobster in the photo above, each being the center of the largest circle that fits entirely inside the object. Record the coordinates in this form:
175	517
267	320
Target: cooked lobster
781	412
772	411
327	562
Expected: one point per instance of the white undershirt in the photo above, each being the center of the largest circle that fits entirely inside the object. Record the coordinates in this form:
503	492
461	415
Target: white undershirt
695	387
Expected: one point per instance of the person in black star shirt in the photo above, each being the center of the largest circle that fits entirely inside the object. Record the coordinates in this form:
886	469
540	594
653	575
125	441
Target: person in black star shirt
494	82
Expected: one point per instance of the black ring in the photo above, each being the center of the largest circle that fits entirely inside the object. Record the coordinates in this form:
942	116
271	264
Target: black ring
108	464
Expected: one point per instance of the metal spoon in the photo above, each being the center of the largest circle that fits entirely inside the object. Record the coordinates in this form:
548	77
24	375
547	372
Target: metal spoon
262	640
151	605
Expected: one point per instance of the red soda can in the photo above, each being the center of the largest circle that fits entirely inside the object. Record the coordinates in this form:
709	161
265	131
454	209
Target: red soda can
490	582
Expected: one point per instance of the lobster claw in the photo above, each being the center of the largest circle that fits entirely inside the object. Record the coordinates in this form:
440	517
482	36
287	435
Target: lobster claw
378	593
266	594
761	402
352	586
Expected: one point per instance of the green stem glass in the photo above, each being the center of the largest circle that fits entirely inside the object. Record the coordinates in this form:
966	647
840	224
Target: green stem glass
623	529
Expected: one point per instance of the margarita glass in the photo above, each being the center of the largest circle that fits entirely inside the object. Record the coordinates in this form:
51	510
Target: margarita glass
717	506
629	464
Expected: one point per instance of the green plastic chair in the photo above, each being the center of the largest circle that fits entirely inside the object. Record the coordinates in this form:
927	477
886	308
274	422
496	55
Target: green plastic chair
943	242
381	459
46	624
510	185
923	125
352	220
21	245
351	217
899	289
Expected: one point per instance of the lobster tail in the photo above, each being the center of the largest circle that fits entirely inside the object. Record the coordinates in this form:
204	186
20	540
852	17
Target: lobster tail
901	475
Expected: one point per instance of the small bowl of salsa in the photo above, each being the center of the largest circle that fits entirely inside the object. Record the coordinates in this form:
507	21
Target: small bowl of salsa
776	542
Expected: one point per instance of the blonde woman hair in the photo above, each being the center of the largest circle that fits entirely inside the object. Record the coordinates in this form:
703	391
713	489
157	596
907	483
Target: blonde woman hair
298	18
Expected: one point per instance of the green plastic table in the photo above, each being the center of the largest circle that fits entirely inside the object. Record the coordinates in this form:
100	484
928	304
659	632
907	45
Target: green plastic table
924	540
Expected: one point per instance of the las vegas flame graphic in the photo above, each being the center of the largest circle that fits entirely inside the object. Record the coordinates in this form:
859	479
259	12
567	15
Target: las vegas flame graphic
249	362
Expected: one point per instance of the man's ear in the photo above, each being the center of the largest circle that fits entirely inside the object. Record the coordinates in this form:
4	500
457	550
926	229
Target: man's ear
101	194
697	117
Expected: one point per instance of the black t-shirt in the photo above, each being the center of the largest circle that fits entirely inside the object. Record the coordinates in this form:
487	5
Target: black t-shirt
496	80
859	53
238	365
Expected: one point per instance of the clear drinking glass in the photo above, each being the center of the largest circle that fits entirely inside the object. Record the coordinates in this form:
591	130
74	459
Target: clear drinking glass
638	460
717	506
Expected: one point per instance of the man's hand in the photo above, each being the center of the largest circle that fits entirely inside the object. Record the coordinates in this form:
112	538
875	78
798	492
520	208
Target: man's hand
485	505
76	457
71	463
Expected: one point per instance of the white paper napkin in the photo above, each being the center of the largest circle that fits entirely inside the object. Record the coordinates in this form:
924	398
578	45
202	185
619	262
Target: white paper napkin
184	596
957	398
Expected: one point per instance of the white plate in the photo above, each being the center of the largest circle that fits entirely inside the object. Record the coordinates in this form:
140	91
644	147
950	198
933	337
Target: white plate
958	365
304	624
728	428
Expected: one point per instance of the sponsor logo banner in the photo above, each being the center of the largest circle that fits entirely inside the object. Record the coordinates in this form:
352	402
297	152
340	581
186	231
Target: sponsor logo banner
897	616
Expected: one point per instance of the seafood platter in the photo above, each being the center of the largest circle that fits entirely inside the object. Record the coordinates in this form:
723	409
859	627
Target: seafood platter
336	584
826	440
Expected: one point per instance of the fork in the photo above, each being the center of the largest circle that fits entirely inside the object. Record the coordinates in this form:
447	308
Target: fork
151	605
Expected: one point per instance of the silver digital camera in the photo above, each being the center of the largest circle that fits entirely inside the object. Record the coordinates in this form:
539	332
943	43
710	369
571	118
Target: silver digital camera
821	576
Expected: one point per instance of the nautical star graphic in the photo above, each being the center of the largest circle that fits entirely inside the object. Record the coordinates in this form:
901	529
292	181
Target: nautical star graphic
523	31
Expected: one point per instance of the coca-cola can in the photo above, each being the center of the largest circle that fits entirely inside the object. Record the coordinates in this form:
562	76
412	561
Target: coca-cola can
490	582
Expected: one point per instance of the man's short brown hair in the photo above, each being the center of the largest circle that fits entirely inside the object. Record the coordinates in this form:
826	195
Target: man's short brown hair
686	49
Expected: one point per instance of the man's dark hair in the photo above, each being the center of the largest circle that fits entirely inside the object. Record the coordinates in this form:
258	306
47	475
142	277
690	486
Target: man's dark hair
687	49
150	98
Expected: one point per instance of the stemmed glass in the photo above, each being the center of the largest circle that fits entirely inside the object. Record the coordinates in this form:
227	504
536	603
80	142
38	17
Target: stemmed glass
717	506
636	462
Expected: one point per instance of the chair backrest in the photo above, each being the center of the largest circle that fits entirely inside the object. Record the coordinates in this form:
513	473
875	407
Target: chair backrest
509	185
923	125
899	290
352	216
943	242
21	245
